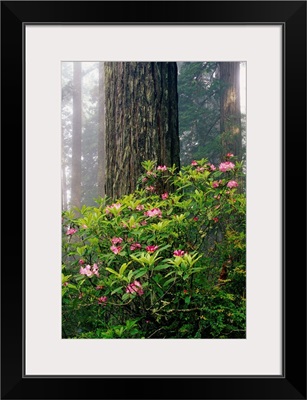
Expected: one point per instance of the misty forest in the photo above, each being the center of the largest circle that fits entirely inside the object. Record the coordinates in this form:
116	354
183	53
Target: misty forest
153	200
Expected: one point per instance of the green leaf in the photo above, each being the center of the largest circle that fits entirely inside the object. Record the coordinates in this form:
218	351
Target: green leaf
116	290
160	267
112	271
139	273
74	287
169	281
125	296
187	300
123	268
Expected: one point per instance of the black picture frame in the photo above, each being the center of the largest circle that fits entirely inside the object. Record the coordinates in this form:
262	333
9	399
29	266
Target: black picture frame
292	16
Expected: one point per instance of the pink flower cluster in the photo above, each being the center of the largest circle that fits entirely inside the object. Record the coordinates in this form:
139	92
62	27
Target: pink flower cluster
150	188
200	169
71	231
135	287
155	212
164	196
151	249
89	271
215	184
139	207
226	166
232	184
135	246
102	300
178	253
162	168
115	249
194	163
116	240
212	167
150	173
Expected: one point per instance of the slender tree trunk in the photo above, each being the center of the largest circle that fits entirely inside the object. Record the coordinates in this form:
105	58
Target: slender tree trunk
63	180
76	137
230	108
141	120
101	133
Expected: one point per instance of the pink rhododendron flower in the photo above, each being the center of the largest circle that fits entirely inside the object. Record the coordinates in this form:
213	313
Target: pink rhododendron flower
95	269
81	262
229	155
232	184
135	246
89	271
143	222
116	240
162	168
226	166
151	249
153	213
139	207
115	249
212	167
86	271
215	184
178	253
135	287
164	196
71	231
215	219
200	169
144	179
150	188
150	173
194	163
102	300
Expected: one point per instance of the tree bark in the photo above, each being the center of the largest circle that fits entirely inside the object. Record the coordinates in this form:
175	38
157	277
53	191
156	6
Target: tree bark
141	121
76	137
230	108
101	133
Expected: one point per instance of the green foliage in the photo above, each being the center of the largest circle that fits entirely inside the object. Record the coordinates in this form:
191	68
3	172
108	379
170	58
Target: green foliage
159	265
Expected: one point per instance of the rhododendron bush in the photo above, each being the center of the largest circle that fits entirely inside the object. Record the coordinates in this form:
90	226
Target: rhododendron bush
167	261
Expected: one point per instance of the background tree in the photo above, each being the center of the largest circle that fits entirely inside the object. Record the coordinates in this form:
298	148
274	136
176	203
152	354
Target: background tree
230	108
76	137
66	131
199	111
90	127
86	127
141	120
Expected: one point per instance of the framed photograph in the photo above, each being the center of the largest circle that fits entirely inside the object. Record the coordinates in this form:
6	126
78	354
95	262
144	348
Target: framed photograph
133	276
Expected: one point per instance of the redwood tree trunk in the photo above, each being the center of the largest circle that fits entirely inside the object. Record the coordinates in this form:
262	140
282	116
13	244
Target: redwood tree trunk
230	108
101	133
141	120
76	138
